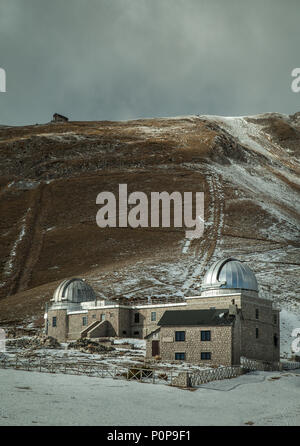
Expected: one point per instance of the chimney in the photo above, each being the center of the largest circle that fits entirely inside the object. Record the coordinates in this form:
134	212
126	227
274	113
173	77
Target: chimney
233	310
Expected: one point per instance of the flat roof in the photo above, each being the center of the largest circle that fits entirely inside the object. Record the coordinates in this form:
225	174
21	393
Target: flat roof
212	317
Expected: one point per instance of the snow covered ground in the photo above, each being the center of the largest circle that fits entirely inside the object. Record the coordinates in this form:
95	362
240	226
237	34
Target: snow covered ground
120	357
32	398
289	321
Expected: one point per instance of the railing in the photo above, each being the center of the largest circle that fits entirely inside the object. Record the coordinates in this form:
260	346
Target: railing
247	365
289	365
204	376
85	331
92	369
142	374
256	364
150	301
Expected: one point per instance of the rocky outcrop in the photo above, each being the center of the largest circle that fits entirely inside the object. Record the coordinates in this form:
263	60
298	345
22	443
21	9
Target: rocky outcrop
35	342
87	346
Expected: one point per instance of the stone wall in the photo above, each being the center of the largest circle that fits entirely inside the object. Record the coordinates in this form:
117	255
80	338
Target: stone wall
181	380
276	331
122	320
261	347
155	336
76	325
108	314
70	326
60	331
226	346
101	329
220	345
219	302
236	339
124	326
145	325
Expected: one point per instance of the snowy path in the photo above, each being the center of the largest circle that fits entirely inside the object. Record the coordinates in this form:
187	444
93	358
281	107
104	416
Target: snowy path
29	398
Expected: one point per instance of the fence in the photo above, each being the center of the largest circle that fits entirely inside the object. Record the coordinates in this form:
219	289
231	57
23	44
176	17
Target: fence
150	375
205	376
255	364
150	301
92	369
288	365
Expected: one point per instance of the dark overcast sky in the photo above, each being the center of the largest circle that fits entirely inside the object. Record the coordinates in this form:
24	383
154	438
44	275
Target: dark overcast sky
124	59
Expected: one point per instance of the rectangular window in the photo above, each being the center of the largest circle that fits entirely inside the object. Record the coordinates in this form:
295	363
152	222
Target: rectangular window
94	316
256	333
84	320
206	355
179	356
153	316
136	318
179	336
102	317
54	321
256	313
205	335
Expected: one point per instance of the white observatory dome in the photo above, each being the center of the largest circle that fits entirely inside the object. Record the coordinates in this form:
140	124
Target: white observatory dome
229	274
74	290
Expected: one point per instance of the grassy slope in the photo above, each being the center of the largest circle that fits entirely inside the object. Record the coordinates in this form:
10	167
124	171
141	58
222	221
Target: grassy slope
49	232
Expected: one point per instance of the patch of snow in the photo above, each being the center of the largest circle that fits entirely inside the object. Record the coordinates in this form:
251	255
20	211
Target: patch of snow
288	321
9	264
51	399
50	229
186	246
139	343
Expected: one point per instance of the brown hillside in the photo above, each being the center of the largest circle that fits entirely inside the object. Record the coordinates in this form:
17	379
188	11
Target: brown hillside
51	174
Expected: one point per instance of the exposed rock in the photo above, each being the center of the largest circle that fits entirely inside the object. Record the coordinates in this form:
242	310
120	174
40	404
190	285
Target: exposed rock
49	342
33	342
16	332
26	185
87	346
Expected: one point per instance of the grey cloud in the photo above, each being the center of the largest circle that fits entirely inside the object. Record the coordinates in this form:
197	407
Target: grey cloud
123	59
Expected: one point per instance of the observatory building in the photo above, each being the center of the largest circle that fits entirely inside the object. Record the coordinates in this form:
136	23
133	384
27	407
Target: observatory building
226	321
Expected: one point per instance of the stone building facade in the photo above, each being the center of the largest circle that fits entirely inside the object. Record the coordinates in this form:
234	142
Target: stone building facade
249	325
202	339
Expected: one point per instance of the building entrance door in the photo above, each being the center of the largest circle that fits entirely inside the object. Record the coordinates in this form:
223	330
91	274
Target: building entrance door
155	348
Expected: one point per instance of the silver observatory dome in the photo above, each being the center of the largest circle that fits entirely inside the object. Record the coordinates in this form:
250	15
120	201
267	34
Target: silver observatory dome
228	274
73	290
